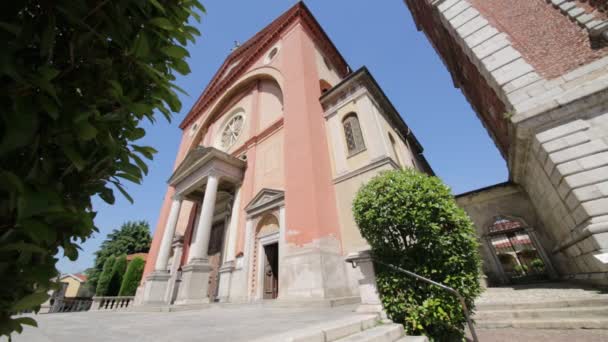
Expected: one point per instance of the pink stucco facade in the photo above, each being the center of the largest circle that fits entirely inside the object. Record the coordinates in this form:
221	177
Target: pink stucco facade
279	177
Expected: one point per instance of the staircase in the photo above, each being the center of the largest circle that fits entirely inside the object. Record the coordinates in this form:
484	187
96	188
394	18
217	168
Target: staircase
358	328
543	306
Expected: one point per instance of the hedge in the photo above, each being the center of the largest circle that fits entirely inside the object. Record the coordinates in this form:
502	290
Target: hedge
120	266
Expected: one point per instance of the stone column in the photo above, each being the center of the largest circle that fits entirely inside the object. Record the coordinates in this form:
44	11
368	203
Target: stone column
198	251
195	275
178	246
156	282
368	289
228	265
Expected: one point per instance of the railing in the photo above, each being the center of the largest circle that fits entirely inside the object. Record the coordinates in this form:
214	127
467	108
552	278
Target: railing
69	305
444	287
112	303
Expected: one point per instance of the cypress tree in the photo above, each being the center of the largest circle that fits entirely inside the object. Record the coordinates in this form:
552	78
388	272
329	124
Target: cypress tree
132	277
120	266
104	278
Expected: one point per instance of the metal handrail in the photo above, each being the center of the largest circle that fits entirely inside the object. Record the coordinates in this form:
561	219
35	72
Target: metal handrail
444	287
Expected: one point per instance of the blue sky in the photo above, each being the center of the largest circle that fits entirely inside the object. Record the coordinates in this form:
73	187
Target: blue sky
378	34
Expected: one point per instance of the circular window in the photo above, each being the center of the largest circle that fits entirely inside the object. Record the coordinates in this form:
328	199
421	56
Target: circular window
271	55
232	131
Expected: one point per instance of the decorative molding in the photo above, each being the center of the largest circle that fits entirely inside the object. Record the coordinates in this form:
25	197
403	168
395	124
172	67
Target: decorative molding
265	200
373	165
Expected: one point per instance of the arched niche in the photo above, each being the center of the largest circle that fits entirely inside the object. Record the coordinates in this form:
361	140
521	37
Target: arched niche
270	102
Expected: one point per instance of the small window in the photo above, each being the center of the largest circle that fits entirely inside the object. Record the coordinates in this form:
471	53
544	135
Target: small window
271	55
353	135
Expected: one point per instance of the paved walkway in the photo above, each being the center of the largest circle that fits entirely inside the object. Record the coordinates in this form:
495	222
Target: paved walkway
233	323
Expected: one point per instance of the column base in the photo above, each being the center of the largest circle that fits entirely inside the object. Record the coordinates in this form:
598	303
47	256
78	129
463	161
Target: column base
195	283
225	280
368	290
155	288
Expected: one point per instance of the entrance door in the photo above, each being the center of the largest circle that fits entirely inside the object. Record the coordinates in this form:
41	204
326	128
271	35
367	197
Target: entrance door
271	271
216	241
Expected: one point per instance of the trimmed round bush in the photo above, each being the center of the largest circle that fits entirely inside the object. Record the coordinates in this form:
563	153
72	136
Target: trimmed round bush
411	220
132	277
120	266
104	278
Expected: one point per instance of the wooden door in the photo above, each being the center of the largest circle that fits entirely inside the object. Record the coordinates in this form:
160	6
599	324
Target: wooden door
271	271
216	242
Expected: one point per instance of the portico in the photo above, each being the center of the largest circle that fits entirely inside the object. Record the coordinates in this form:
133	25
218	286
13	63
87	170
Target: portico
203	173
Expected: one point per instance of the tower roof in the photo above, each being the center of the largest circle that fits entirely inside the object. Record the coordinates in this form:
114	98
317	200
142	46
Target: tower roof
250	51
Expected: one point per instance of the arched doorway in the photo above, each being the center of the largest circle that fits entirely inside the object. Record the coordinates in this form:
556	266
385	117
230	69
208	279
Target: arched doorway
267	245
518	254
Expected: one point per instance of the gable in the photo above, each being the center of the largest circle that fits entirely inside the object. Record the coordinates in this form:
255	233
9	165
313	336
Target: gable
240	60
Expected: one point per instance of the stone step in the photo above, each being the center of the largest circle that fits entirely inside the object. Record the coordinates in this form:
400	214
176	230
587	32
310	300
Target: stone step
555	323
413	339
587	302
544	313
327	332
381	333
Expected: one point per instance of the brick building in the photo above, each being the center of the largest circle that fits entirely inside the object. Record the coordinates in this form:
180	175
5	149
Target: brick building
536	74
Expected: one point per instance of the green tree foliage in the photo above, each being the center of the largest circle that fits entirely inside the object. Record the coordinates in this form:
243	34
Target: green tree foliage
132	237
118	271
77	78
411	220
105	277
132	277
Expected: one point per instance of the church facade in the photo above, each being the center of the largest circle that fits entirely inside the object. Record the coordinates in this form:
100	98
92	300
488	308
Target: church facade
536	74
272	154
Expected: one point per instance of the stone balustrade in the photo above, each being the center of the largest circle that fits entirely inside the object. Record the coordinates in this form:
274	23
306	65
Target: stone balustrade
69	305
112	303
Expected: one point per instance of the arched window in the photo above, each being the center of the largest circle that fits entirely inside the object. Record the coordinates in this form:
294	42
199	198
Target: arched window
352	132
395	152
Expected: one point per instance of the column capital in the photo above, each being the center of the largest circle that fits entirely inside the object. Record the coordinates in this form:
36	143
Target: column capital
177	197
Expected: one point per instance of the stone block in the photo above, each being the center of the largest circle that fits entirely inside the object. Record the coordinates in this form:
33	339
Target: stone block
562	130
557	2
511	71
442	7
521	82
587	177
567	6
475	24
566	141
481	36
155	288
596	207
575	12
577	152
492	45
593	161
593	23
456	9
464	17
599	241
195	283
501	57
585	18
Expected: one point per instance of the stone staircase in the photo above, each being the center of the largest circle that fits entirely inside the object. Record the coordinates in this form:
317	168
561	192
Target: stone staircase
543	306
358	328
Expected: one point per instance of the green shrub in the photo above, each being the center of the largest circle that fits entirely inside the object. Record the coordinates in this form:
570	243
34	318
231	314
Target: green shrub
132	277
104	279
411	220
118	271
538	265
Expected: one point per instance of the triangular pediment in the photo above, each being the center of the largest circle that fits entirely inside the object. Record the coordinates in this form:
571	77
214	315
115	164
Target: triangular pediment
264	198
